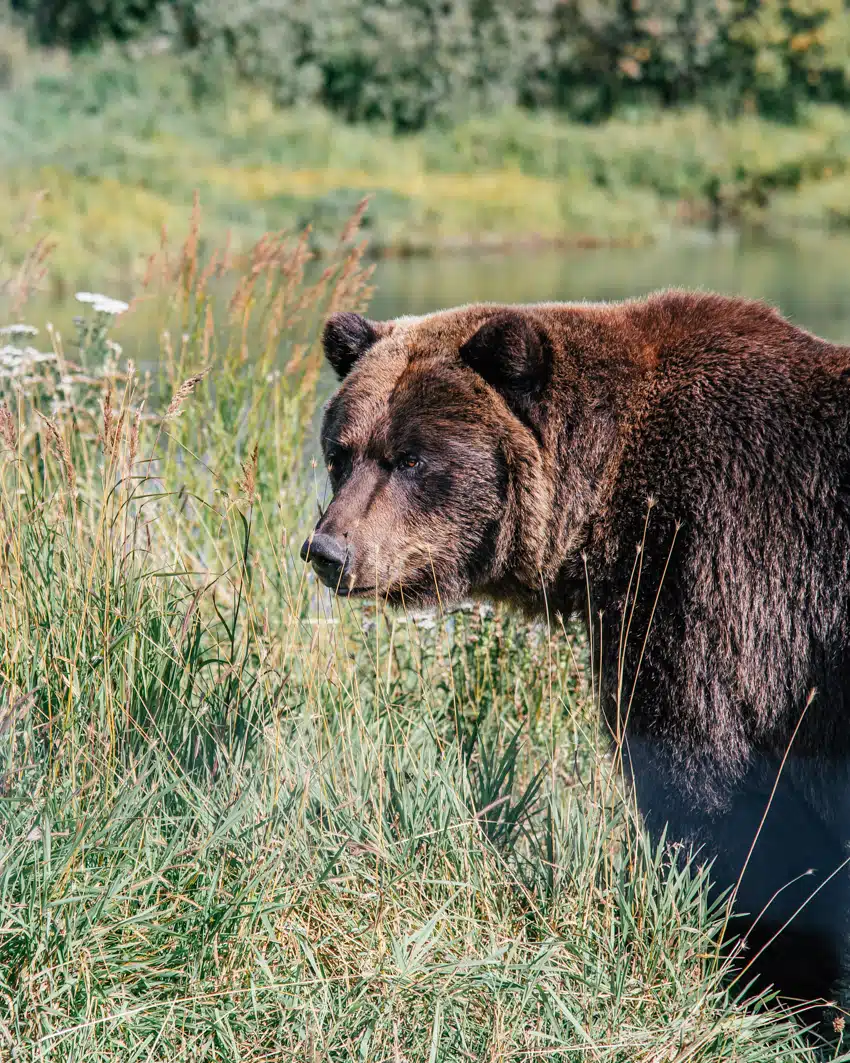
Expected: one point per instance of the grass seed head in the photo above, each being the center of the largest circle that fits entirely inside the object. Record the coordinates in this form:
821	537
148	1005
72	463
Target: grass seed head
133	447
8	427
59	446
183	392
113	428
250	468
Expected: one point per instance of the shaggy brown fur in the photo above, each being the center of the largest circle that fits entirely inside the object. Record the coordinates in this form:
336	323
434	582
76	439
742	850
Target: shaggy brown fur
681	466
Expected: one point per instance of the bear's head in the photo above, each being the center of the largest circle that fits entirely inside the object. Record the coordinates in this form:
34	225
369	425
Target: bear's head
434	446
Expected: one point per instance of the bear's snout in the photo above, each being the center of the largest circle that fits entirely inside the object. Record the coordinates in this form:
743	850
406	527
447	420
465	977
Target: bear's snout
330	559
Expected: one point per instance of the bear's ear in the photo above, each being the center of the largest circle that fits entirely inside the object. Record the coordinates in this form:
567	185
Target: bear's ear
512	355
347	337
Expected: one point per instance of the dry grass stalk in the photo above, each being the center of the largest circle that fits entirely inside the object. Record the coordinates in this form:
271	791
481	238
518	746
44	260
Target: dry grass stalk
107	432
250	469
189	258
157	264
296	358
133	445
276	318
209	332
113	428
260	256
352	290
274	255
286	308
183	392
168	268
293	269
165	338
352	226
219	263
8	427
60	448
20	282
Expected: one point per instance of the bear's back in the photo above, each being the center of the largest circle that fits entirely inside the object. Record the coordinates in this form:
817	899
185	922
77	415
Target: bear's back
742	442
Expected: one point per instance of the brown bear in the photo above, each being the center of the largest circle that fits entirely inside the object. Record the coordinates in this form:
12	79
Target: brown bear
676	470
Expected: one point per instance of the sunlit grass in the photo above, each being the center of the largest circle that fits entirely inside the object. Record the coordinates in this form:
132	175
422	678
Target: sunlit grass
100	219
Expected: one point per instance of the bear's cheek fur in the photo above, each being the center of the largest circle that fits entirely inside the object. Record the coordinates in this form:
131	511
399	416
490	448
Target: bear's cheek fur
428	534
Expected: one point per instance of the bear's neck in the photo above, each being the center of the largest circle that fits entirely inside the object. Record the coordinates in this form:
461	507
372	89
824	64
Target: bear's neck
594	408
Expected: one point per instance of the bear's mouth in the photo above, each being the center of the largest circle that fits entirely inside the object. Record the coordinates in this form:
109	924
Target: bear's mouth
415	589
356	592
395	596
341	590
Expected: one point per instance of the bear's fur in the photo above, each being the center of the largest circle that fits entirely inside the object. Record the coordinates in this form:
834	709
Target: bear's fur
676	470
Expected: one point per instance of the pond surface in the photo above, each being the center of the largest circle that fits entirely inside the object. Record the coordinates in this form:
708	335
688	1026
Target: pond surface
808	280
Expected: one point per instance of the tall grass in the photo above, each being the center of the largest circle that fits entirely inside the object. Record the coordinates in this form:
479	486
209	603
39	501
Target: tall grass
240	822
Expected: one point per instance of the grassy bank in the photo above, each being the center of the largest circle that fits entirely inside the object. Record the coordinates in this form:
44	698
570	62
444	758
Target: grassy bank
238	822
105	152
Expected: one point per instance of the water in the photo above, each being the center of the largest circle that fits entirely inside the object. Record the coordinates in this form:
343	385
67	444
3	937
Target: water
808	280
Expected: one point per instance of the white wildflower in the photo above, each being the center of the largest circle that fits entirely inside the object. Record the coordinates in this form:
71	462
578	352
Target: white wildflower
111	306
116	348
18	330
103	304
39	356
423	619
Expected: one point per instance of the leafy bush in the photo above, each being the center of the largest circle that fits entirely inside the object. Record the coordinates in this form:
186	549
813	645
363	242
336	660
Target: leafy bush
80	23
406	62
414	62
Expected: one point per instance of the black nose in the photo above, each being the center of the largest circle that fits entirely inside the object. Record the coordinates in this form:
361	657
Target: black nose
329	558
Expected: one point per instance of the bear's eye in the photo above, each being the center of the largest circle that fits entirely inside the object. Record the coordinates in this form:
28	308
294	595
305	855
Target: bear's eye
339	463
407	462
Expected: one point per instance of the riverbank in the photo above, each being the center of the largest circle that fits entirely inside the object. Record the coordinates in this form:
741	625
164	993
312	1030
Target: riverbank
102	155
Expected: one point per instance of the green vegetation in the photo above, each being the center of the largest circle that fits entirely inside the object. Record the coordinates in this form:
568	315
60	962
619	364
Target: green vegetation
118	150
239	822
414	62
103	149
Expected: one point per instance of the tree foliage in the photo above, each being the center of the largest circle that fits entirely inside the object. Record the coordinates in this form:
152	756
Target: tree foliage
413	62
82	23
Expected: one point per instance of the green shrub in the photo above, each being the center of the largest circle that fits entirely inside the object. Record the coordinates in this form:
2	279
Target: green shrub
411	63
406	62
81	23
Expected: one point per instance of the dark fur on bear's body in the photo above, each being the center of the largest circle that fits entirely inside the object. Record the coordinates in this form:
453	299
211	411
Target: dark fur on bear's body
677	470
